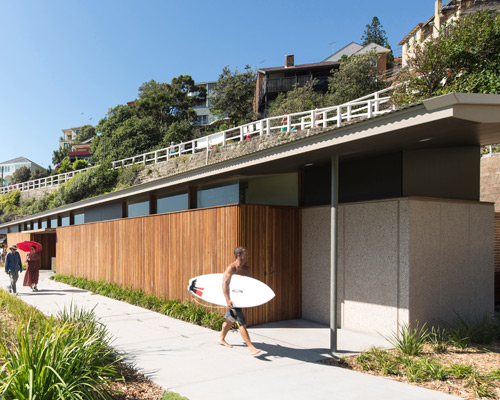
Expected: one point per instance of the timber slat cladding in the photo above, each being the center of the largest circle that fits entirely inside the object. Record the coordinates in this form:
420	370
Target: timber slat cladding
160	253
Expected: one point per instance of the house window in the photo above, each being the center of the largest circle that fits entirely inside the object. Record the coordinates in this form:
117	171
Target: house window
177	202
219	195
44	224
65	221
79	219
202	119
53	223
35	225
137	208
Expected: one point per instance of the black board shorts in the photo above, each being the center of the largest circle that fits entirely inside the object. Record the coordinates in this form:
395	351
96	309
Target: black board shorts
236	315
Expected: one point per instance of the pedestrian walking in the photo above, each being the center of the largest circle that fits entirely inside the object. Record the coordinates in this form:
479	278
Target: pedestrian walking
234	314
13	266
32	269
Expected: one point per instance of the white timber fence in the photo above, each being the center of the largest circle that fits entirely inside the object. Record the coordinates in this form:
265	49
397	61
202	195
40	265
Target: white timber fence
369	106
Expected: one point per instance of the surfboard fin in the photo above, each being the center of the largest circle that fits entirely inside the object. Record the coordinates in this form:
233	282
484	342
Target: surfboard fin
195	290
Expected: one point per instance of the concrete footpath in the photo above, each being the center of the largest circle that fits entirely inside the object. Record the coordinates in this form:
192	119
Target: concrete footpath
186	359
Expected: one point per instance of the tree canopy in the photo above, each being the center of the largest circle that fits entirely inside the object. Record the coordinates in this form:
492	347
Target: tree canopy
296	100
21	175
150	121
356	77
374	33
85	132
233	95
465	57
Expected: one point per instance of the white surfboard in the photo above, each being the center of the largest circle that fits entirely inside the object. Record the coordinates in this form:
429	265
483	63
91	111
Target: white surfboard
244	291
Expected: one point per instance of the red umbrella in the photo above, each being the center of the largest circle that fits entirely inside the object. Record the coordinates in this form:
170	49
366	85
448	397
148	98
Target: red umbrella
26	245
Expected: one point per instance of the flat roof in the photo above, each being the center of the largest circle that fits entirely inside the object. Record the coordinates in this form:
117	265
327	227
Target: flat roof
456	119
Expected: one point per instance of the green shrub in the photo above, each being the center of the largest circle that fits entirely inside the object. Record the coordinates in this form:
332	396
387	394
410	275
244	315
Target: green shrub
410	341
437	340
64	361
80	164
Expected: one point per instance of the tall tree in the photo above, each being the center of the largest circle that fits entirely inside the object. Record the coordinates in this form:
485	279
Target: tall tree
465	57
374	33
356	77
233	95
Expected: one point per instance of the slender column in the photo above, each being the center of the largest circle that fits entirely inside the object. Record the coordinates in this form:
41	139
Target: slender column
333	254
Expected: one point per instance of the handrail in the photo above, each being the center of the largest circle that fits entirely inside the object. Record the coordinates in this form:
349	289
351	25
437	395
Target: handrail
364	107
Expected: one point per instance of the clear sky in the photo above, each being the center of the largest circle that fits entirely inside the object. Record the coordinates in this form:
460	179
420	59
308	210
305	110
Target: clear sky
64	63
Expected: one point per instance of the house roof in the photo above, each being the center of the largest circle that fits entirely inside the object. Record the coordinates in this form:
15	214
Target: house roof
17	160
455	119
299	67
347	50
85	142
354	48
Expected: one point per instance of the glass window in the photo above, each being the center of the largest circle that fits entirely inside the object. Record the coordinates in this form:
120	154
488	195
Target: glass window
35	225
14	228
65	221
44	224
53	223
172	203
216	196
79	219
137	208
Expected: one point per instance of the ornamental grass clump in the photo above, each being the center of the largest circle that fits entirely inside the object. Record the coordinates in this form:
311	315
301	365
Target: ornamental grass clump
63	361
410	340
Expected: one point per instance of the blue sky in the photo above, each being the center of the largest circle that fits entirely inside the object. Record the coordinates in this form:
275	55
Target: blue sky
64	63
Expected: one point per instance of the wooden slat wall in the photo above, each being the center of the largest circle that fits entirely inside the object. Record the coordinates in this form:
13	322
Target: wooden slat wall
160	253
273	238
13	238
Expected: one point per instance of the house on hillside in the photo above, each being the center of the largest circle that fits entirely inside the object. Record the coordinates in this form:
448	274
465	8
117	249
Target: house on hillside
394	197
68	137
276	80
7	168
453	9
81	151
204	116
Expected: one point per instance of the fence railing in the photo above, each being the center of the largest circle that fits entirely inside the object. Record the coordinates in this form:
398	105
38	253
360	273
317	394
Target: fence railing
369	106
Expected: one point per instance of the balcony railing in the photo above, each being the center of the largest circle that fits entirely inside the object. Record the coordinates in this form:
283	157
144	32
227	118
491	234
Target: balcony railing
335	116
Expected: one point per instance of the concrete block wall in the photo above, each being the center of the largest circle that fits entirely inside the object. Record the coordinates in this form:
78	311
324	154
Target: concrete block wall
399	261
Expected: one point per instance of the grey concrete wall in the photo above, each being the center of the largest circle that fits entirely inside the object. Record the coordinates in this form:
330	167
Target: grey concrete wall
399	261
316	264
451	258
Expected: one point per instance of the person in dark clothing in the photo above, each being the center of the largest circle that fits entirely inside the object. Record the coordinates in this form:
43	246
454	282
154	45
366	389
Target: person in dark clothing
13	266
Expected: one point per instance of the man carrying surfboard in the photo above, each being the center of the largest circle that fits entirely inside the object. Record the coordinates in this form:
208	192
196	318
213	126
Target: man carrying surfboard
238	267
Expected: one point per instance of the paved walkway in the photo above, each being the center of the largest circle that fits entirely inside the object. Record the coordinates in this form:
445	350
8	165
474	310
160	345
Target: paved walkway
186	359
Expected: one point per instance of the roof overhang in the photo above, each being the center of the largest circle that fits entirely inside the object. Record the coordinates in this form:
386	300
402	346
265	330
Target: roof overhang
450	120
